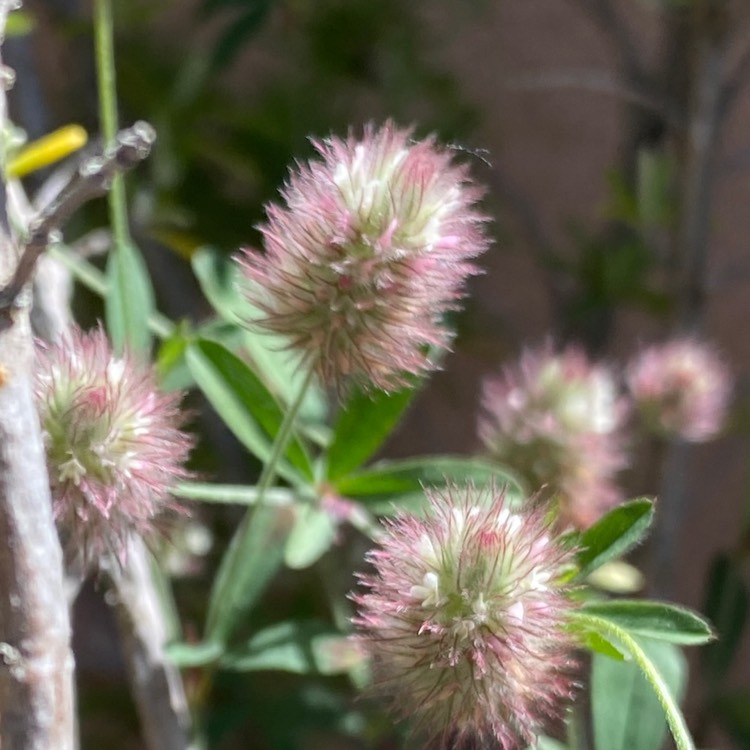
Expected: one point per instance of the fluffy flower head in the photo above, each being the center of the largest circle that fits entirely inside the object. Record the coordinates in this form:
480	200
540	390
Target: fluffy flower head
371	247
556	419
465	618
681	388
113	443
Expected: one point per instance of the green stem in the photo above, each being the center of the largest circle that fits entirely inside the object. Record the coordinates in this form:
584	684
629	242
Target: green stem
672	712
255	554
239	571
105	68
233	494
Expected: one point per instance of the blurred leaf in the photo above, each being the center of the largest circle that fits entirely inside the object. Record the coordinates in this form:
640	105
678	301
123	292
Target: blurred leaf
171	355
218	277
547	743
130	300
299	647
625	711
727	607
209	7
624	201
311	537
19	23
399	483
655	173
239	30
277	367
255	555
657	620
186	655
617	577
364	423
244	403
614	534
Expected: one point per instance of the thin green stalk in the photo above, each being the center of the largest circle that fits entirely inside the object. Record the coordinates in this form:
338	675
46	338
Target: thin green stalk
108	117
131	297
255	554
239	572
672	712
234	494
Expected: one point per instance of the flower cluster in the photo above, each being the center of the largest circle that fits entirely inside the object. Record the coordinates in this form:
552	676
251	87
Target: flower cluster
681	389
372	247
465	617
113	443
556	420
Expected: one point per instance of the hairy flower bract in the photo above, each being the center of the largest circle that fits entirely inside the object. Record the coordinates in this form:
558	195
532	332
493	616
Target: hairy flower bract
465	617
371	247
113	442
681	388
556	419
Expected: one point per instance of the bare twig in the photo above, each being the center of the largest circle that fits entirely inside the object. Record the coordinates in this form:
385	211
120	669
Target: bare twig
701	166
156	683
701	159
603	13
736	76
91	181
602	82
36	663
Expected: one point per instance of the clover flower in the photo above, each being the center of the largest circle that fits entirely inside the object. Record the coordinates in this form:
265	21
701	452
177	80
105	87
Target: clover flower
372	246
681	388
113	443
465	618
556	420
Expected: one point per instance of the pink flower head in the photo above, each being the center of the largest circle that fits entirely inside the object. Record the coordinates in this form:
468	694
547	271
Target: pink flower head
114	447
371	248
556	420
681	388
465	617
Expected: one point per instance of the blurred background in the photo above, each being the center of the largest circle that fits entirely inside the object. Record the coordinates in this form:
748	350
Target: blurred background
613	138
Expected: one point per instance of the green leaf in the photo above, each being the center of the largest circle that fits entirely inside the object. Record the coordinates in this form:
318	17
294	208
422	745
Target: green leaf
626	713
655	177
218	277
130	300
614	534
363	424
298	647
657	620
727	607
244	403
597	643
19	23
547	743
193	654
663	667
401	482
277	367
254	556
310	539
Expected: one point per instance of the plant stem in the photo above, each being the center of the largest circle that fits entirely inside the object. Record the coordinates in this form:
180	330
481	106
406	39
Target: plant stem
232	494
238	571
105	66
254	555
672	712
